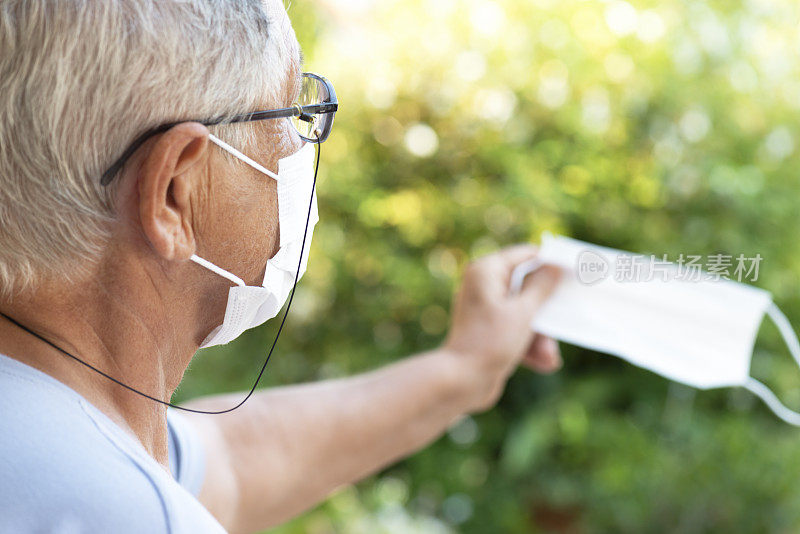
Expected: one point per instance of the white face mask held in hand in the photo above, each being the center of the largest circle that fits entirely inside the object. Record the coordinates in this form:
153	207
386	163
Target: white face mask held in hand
251	306
699	332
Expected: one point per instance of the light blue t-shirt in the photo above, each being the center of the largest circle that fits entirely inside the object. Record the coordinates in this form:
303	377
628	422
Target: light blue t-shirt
66	468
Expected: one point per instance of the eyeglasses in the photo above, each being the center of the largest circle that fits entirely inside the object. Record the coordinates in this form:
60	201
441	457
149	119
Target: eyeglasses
311	116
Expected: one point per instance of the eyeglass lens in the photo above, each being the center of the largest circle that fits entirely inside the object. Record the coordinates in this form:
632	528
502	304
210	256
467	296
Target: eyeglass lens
313	92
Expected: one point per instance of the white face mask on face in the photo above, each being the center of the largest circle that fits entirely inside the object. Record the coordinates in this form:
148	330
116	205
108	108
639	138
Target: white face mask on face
700	333
251	306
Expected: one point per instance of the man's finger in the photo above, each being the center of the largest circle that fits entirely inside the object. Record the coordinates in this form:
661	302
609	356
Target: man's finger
516	254
539	285
543	355
497	267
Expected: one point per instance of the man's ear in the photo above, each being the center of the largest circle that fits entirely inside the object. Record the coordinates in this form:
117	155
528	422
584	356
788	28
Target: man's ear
170	169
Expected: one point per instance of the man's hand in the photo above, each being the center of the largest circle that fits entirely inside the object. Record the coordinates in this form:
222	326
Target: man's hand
490	332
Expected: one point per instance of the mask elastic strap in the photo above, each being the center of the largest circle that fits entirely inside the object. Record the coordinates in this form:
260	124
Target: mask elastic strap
786	330
219	270
228	148
763	392
520	272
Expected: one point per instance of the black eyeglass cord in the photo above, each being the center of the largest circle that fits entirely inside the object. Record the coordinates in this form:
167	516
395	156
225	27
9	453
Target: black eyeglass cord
266	361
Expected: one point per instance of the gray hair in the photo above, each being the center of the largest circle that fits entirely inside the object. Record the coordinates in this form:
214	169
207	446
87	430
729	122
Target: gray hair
79	80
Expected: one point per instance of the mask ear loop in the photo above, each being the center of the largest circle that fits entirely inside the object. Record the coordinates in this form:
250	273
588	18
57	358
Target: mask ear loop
220	271
786	330
763	392
520	272
228	148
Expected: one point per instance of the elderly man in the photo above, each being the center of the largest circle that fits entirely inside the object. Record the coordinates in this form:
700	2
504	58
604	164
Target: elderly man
121	254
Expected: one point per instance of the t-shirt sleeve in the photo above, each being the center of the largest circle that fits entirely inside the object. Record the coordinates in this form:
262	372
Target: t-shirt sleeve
187	456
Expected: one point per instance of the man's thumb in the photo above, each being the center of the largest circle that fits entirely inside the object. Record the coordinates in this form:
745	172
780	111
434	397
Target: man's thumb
539	285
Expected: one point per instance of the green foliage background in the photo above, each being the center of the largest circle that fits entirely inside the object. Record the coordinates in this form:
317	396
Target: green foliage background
466	125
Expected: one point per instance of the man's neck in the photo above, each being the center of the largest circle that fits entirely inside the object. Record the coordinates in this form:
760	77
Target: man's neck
115	329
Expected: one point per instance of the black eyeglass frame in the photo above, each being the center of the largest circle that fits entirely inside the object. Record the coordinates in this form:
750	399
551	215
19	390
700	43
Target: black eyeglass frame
305	113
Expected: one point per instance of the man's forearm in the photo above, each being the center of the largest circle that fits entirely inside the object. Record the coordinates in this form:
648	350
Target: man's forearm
290	447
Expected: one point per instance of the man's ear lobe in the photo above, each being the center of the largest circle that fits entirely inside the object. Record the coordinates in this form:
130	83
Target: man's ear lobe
171	168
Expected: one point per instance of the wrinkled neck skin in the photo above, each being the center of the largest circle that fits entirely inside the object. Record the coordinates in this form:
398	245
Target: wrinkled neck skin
129	318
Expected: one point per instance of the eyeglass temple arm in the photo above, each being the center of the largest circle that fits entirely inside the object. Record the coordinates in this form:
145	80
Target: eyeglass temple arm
294	111
138	142
301	111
